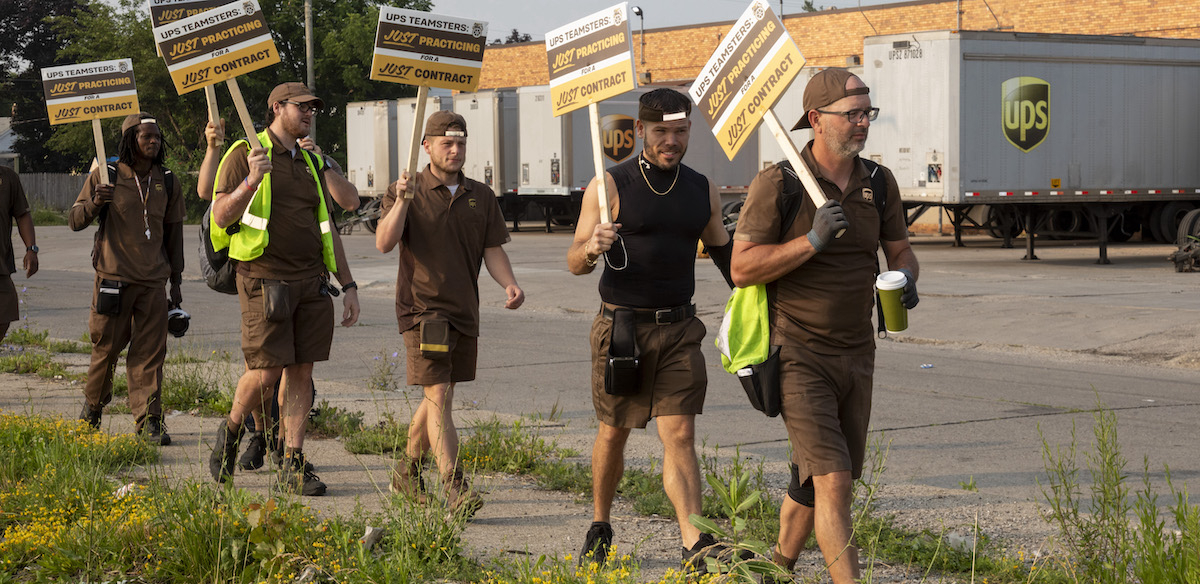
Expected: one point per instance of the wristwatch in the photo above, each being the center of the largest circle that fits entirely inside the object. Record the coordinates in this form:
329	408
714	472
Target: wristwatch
351	286
32	248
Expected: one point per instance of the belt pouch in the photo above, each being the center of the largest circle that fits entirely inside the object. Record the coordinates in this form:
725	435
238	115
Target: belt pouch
761	383
108	299
276	300
621	369
435	338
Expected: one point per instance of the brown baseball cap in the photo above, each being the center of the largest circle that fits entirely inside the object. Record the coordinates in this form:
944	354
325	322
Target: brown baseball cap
137	119
446	123
293	91
825	88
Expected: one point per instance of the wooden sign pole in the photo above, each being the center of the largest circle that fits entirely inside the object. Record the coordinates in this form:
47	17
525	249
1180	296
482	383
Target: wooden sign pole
244	114
101	158
414	143
598	157
793	155
214	115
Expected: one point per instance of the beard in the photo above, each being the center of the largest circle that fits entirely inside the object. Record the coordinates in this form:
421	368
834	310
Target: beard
845	146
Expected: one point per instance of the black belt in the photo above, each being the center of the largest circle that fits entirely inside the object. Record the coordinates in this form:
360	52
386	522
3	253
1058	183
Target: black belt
658	316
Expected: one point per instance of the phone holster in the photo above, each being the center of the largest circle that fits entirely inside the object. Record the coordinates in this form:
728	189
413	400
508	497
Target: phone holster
108	298
435	338
621	368
276	301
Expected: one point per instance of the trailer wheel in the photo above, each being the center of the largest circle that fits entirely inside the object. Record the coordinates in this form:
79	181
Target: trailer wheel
1065	222
730	211
1124	226
996	224
1189	227
1172	214
1153	224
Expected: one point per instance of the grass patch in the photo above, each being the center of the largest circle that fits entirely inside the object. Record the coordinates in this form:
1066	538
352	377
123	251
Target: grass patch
48	216
332	421
27	337
40	364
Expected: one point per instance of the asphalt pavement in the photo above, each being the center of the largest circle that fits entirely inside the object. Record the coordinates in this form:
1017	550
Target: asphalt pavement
999	353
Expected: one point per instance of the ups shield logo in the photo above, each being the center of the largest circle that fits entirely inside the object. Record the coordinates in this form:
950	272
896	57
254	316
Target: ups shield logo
616	137
1026	111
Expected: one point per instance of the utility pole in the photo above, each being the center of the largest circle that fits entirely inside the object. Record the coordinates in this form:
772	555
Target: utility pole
308	59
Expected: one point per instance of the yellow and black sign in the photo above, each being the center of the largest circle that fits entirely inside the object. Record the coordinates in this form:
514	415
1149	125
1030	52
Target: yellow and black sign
590	60
222	43
751	68
164	12
1025	115
617	136
89	91
419	48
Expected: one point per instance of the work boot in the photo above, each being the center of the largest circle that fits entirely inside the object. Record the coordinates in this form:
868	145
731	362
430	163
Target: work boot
708	547
256	449
406	479
154	431
92	417
277	457
597	543
224	452
784	562
459	495
296	478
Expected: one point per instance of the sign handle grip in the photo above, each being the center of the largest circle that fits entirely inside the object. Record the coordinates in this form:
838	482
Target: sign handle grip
210	96
793	155
598	157
414	143
101	158
244	114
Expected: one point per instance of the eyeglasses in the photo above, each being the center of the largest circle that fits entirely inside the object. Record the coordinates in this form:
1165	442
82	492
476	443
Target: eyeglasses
304	107
855	116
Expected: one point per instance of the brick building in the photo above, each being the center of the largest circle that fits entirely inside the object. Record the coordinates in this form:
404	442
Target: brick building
830	37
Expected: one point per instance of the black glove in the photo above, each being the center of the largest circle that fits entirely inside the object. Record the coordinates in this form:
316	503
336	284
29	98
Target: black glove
909	297
829	220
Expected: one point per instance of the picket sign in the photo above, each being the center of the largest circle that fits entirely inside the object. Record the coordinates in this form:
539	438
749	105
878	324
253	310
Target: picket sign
90	91
591	60
426	50
749	71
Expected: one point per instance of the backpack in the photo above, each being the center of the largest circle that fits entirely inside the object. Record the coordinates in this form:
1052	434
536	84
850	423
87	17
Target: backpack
220	271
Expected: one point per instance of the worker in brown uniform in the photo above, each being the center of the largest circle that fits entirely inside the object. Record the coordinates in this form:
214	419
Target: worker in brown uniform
138	248
14	205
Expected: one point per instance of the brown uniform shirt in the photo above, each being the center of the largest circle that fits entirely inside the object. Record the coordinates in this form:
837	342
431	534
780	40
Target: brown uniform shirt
825	304
12	205
293	249
442	249
122	251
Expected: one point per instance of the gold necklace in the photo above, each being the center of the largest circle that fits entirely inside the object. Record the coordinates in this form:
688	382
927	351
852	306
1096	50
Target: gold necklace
647	179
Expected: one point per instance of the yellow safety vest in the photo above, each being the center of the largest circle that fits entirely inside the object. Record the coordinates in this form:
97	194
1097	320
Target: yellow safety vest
250	239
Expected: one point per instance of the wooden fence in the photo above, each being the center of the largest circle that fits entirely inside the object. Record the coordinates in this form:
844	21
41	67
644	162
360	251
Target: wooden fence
53	190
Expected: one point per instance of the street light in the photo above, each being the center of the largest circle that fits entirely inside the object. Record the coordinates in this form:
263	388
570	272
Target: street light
637	11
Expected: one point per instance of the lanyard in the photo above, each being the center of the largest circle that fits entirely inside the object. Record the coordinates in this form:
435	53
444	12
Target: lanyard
144	196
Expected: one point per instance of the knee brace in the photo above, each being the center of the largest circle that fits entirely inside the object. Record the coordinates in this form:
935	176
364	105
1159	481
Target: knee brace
803	494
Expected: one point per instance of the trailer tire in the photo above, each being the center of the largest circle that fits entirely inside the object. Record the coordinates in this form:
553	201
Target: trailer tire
1173	213
994	213
1066	222
1189	227
1152	225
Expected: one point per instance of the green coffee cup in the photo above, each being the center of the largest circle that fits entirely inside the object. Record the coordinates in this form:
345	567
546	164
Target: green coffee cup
890	286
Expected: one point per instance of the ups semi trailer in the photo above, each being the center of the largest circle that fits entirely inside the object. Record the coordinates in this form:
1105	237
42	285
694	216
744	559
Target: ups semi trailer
1057	135
556	161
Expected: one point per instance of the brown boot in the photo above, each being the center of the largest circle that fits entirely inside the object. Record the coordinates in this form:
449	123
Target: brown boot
459	495
406	479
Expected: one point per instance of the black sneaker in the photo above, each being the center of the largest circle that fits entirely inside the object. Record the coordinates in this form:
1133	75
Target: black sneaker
256	449
708	547
154	430
224	453
296	478
277	459
92	417
597	543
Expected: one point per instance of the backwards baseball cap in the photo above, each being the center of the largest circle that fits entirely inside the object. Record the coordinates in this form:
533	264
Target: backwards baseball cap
825	88
446	123
293	91
663	105
133	120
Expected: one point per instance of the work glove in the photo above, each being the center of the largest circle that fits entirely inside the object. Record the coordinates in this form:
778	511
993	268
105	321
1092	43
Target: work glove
827	223
909	297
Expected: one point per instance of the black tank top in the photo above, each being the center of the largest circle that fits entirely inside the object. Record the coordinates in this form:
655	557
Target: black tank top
660	233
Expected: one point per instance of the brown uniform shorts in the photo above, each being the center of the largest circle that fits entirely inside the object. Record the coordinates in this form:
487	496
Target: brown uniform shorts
457	366
10	306
826	408
671	367
303	336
